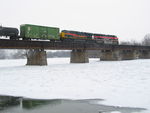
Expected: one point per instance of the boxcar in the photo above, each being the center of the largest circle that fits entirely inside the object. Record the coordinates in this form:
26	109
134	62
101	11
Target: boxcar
28	31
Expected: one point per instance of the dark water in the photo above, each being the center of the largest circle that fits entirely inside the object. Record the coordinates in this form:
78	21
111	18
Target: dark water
22	105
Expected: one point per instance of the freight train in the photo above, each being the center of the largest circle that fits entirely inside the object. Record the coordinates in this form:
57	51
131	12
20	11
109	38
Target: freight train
29	32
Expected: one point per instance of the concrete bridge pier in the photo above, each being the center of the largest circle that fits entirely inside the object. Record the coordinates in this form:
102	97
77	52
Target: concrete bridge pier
144	54
79	56
129	54
36	57
110	55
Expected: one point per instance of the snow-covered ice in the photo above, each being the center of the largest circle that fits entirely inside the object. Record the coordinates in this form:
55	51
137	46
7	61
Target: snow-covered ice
120	83
115	112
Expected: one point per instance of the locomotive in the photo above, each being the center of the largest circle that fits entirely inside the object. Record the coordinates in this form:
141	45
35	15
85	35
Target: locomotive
88	37
28	32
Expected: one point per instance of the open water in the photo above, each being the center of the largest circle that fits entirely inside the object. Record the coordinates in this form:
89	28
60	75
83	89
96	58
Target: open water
23	105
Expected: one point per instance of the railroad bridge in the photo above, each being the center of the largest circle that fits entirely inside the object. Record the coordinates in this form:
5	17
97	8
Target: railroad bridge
37	56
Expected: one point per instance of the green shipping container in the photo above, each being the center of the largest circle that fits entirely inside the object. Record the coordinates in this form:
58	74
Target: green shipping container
39	32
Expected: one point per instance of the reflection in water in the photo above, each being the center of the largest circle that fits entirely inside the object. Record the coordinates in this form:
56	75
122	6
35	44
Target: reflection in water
6	101
32	103
58	106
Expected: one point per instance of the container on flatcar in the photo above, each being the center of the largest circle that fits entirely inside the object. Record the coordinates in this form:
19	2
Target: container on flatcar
39	32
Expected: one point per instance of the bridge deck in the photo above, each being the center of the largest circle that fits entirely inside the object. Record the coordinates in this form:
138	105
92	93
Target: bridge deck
22	44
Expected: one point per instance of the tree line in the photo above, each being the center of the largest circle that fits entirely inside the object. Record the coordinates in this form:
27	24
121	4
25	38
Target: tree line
144	42
21	54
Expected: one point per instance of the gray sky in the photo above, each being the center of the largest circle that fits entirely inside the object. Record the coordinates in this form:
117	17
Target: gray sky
128	19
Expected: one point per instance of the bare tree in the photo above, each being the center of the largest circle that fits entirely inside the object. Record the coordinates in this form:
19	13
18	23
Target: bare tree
146	40
125	43
132	42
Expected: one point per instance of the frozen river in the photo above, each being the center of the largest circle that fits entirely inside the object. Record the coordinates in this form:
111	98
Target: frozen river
119	83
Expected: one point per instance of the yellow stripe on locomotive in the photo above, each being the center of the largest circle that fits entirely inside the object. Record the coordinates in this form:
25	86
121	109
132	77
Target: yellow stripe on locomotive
62	35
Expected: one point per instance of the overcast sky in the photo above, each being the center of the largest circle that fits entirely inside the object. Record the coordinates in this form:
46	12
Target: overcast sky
128	19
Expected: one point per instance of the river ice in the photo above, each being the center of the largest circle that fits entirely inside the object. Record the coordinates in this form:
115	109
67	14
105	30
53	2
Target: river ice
120	83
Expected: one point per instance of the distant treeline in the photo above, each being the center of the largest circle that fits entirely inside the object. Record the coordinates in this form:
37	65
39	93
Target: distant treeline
144	42
21	54
12	54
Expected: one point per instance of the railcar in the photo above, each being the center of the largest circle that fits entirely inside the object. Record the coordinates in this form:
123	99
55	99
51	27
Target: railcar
28	31
9	32
75	35
106	39
84	36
